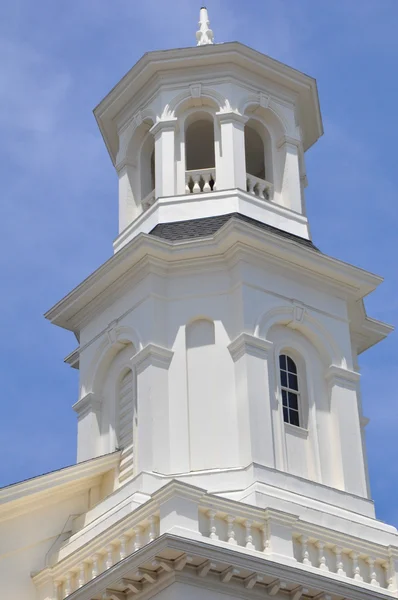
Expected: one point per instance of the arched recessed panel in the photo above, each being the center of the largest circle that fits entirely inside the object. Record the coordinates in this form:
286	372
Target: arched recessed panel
200	333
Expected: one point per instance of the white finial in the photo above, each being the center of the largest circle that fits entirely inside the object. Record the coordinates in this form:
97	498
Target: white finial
205	35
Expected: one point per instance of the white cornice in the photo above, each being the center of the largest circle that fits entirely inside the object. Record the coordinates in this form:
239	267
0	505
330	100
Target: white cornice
197	552
234	240
177	60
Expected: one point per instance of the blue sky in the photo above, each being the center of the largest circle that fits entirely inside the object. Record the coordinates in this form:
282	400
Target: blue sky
59	189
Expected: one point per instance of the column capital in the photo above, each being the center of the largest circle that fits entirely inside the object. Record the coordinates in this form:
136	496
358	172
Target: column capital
164	125
87	404
246	343
344	377
231	117
289	141
152	355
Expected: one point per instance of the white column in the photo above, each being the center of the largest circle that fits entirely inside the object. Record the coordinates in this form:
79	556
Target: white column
127	173
165	168
349	459
256	438
153	418
231	172
291	183
88	411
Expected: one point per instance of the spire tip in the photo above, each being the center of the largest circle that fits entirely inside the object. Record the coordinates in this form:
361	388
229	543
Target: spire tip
205	35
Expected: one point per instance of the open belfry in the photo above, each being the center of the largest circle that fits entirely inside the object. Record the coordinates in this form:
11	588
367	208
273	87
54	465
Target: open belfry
220	446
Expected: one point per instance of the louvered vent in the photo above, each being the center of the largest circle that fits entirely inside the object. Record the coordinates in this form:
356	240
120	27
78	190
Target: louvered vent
126	424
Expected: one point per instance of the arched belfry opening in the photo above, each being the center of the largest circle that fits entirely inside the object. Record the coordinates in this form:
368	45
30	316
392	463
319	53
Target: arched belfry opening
199	152
258	155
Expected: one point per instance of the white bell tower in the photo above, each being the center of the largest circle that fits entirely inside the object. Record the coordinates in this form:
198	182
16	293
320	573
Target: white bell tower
218	352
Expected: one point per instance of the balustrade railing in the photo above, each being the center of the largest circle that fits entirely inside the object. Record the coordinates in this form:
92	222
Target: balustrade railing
201	180
347	561
259	187
87	566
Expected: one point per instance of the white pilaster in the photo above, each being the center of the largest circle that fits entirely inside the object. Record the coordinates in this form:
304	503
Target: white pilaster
349	460
127	171
88	411
231	172
154	428
165	165
250	355
291	183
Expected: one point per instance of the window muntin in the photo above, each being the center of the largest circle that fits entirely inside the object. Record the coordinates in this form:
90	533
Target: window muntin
290	390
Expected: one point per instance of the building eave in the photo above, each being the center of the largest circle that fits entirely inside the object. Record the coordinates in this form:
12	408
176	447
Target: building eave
23	492
159	61
235	235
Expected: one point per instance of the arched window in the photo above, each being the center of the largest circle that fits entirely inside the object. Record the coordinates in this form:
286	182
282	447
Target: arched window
255	153
290	390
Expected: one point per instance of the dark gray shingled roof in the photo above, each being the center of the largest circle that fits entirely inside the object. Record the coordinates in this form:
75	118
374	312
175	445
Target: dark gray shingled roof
197	228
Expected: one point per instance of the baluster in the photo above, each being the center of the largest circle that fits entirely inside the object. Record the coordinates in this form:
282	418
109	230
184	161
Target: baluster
231	532
249	185
305	553
122	549
266	540
196	187
355	567
339	562
95	566
372	572
187	184
266	192
321	557
249	537
390	572
212	525
82	576
206	184
68	585
137	539
152	531
109	557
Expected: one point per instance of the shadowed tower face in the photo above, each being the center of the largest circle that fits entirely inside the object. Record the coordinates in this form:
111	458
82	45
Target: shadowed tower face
220	436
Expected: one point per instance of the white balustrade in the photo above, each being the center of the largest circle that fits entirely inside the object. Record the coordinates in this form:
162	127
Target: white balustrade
199	181
81	571
354	564
258	187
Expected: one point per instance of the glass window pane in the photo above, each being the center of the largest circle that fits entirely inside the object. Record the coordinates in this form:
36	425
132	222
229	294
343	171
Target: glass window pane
282	361
284	397
293	401
293	382
291	366
284	378
285	415
294	417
